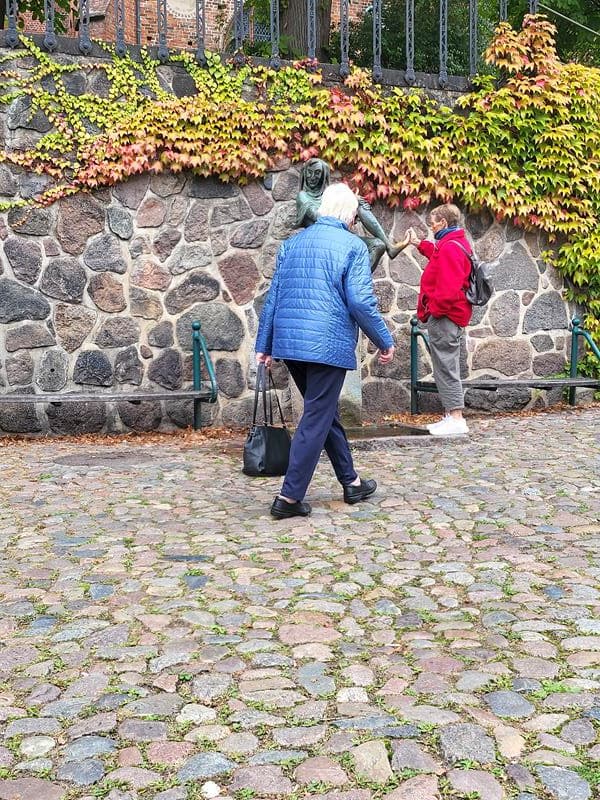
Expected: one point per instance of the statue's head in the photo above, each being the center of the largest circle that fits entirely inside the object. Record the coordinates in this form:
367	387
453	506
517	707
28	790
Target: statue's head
314	177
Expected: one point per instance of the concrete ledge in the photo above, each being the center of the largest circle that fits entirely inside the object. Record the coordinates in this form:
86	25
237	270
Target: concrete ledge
389	442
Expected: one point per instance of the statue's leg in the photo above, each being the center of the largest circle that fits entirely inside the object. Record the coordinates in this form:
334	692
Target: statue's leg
371	225
395	248
376	249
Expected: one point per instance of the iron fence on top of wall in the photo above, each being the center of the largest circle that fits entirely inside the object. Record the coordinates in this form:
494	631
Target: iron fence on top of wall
271	31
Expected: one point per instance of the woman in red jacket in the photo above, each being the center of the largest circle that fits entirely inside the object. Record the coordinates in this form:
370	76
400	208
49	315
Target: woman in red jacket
443	306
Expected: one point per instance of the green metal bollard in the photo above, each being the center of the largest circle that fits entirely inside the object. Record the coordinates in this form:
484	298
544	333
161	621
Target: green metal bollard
414	366
200	354
575	333
197	372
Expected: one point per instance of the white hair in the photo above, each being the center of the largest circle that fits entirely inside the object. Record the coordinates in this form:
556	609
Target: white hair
339	201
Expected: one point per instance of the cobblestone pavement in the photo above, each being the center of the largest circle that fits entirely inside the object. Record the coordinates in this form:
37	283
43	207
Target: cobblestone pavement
163	637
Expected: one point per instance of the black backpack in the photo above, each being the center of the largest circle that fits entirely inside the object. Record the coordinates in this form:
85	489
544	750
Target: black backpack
480	286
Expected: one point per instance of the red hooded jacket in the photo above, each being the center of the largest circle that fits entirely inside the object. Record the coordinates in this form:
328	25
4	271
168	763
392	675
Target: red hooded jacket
444	279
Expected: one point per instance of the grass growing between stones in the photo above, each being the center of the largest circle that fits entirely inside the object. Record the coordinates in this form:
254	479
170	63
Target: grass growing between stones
553	687
590	771
107	786
244	794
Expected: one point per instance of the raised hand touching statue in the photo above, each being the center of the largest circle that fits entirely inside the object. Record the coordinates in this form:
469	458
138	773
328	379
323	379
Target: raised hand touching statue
314	179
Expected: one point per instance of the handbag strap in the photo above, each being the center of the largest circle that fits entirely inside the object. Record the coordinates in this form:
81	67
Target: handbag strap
265	386
260	389
272	387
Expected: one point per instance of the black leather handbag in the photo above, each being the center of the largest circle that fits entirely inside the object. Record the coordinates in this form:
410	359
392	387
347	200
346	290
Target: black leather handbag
267	448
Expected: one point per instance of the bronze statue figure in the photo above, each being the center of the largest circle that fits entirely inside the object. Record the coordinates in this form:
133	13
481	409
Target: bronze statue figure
314	179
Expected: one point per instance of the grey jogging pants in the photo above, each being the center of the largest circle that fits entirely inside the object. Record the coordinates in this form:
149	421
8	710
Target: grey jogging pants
444	343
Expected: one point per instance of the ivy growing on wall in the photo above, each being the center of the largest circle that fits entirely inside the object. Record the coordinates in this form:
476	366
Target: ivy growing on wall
526	147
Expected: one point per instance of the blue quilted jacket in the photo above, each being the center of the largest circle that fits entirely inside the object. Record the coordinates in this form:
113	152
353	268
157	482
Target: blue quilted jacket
321	293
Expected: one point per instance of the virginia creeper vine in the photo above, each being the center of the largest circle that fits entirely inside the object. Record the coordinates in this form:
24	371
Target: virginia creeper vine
527	149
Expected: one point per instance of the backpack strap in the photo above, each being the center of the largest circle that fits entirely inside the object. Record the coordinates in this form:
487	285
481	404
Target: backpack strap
472	264
464	249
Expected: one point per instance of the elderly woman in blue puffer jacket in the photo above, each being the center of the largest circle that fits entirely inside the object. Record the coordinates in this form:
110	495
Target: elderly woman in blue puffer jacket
321	293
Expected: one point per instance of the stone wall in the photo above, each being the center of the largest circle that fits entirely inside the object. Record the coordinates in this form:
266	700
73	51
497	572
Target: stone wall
100	291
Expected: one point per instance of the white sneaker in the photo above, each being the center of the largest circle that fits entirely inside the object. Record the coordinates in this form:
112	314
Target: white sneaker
435	425
449	426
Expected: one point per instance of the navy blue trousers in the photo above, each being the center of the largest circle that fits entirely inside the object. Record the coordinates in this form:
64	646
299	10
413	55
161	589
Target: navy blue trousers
319	427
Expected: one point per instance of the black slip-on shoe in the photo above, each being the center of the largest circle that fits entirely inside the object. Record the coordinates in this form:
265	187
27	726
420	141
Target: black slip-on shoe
354	494
282	510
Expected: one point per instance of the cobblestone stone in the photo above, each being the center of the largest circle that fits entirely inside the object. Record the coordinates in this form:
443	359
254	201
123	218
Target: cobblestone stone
159	634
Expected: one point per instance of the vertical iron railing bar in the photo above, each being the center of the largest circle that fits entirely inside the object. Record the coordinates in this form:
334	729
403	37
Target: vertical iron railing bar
344	38
410	42
200	33
12	35
377	71
120	27
50	35
533	6
311	33
238	31
473	38
443	76
503	10
161	14
275	60
138	22
85	44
